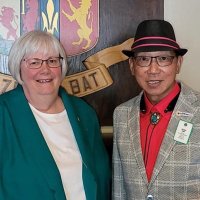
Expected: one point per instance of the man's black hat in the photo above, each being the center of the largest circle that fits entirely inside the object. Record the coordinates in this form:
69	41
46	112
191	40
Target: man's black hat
154	35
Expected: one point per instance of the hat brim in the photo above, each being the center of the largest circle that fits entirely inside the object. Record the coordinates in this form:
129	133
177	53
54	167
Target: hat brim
130	53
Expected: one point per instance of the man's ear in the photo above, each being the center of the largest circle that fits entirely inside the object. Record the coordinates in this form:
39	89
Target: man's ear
179	64
131	65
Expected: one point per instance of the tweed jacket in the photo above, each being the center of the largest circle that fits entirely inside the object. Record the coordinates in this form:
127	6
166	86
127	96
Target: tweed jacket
27	168
176	175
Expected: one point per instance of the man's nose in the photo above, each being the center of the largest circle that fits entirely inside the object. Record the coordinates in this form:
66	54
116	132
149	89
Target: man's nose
154	67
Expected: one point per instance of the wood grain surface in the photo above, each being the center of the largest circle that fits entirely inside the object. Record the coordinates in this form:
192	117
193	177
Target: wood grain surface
117	22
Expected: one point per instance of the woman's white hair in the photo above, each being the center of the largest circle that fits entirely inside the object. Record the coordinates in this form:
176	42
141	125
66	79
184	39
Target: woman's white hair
32	42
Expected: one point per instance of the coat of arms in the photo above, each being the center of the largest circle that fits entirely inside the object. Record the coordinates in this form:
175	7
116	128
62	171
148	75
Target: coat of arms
74	22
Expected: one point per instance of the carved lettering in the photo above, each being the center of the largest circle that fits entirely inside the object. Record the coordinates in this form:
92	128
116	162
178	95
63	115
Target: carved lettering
86	84
88	81
74	86
93	76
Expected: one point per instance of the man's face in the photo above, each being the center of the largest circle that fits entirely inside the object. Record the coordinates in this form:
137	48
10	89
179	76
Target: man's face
158	78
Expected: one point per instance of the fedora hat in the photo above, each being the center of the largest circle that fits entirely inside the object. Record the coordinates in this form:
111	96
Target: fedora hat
154	35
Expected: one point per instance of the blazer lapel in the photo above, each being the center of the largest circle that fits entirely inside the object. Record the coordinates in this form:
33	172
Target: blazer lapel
134	133
33	143
76	122
78	129
168	141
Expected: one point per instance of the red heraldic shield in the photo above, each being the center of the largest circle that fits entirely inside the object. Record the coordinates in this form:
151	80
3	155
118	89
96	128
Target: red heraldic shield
79	25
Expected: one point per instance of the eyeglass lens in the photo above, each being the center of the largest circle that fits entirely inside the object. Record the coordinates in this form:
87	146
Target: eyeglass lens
145	61
35	63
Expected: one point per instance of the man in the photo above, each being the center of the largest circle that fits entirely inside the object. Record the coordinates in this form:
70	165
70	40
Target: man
156	150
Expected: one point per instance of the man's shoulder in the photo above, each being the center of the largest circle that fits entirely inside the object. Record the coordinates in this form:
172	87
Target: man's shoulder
128	106
135	101
189	93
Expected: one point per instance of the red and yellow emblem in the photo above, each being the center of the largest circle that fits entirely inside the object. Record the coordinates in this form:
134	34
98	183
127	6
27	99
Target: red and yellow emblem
79	24
74	22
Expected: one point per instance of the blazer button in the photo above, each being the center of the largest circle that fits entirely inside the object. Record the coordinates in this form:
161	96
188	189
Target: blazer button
150	197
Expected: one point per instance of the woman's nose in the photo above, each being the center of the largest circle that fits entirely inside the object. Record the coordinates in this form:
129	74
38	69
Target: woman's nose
45	66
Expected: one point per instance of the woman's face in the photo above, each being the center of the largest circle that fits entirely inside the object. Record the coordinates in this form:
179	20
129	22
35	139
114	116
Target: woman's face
42	81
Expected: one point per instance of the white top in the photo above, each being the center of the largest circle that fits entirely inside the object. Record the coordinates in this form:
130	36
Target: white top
59	136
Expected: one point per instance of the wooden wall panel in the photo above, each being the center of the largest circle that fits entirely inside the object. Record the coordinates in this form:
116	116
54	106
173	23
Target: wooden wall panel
118	22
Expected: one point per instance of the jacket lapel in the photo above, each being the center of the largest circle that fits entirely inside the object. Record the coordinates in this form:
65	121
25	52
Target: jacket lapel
77	125
134	133
184	105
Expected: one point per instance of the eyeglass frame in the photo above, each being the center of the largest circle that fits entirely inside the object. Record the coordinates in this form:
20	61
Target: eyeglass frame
42	61
156	58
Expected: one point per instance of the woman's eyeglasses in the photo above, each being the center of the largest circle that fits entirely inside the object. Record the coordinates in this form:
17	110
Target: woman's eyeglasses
35	63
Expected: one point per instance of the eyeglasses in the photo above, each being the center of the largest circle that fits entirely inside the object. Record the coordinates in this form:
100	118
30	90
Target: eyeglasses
162	61
35	63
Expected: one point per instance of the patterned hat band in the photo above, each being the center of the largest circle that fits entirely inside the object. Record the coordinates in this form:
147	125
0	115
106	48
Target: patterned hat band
155	42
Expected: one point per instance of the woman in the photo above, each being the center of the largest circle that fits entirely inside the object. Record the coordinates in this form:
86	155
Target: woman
50	143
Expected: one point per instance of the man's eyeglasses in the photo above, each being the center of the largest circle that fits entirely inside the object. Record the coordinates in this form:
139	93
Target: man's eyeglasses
162	61
35	63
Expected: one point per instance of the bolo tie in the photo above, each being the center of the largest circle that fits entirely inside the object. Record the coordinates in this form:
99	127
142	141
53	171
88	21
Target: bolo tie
154	120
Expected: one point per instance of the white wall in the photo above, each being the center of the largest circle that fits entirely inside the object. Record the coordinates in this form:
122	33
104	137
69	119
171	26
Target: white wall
184	15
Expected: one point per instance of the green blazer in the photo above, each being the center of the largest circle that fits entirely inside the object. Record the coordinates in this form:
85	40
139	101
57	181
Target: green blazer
27	168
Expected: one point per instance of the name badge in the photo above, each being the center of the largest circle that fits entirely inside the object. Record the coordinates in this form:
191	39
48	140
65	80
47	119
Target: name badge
183	132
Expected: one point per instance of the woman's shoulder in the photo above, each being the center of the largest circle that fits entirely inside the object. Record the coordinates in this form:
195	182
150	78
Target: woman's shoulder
6	95
11	94
76	102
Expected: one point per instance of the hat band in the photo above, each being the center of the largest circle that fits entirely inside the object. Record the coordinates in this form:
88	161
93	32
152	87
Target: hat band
161	45
155	38
155	41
